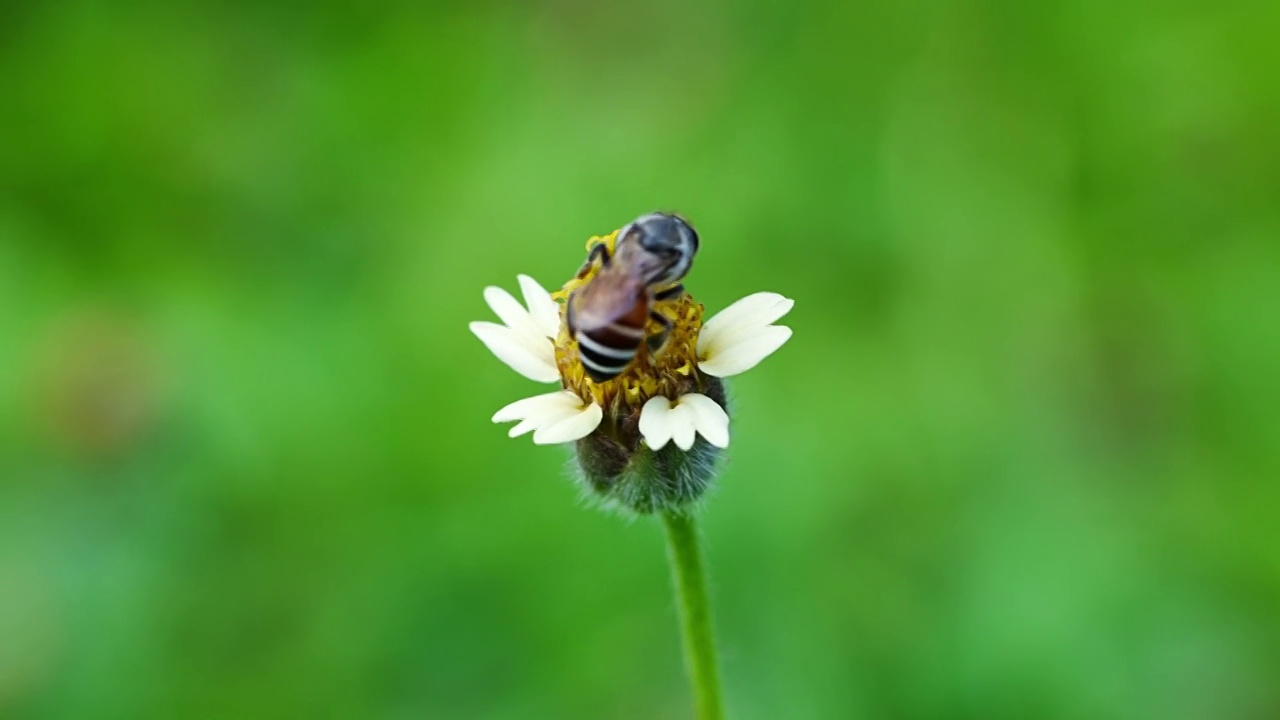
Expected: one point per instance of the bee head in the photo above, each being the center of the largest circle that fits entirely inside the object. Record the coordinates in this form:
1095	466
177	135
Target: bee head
667	237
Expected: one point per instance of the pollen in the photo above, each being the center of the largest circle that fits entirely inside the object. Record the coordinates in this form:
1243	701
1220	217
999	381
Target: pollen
670	371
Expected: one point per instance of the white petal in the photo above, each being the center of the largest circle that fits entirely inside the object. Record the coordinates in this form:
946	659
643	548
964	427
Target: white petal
537	406
654	422
745	352
750	313
709	418
554	417
580	424
522	427
534	358
681	421
545	311
512	313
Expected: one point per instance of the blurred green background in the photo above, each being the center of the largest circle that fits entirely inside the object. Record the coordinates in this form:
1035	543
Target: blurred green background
1019	460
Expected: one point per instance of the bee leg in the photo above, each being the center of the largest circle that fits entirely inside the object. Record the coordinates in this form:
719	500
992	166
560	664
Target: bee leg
598	252
659	339
670	293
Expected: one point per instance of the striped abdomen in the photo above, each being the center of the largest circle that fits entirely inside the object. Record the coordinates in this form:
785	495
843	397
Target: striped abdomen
607	349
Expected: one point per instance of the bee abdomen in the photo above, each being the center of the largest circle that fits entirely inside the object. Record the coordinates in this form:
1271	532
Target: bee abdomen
608	351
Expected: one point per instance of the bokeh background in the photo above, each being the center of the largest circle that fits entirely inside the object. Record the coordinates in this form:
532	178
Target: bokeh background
1019	460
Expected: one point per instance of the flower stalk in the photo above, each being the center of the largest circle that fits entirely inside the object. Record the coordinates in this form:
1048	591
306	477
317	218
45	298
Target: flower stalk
690	579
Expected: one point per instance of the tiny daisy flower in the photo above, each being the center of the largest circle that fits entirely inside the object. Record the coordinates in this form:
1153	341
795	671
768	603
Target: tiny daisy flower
640	373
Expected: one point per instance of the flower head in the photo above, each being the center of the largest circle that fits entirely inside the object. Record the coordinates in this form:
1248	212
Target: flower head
649	437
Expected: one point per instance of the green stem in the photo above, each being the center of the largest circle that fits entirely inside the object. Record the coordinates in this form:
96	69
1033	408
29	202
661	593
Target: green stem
695	613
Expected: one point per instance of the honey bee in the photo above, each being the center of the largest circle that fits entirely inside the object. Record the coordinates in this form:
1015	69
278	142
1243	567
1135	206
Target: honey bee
608	315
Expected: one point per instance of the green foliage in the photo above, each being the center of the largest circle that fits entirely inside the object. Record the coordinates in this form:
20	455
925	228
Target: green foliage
1019	459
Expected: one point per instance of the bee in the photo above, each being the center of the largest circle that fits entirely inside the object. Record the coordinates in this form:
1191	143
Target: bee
608	315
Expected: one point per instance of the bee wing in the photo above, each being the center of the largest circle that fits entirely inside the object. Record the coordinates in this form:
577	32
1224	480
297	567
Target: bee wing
607	299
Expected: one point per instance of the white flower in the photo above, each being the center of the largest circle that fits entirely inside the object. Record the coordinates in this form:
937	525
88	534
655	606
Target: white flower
733	341
554	418
743	334
525	342
662	420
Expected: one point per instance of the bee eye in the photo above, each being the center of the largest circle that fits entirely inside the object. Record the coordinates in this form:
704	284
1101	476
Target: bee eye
657	245
658	234
690	235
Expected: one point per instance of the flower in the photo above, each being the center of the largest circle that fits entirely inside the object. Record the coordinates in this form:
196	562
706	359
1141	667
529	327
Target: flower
733	341
522	340
743	334
556	417
662	419
669	398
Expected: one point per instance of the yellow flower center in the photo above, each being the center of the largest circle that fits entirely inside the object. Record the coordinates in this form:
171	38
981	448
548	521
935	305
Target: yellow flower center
671	371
